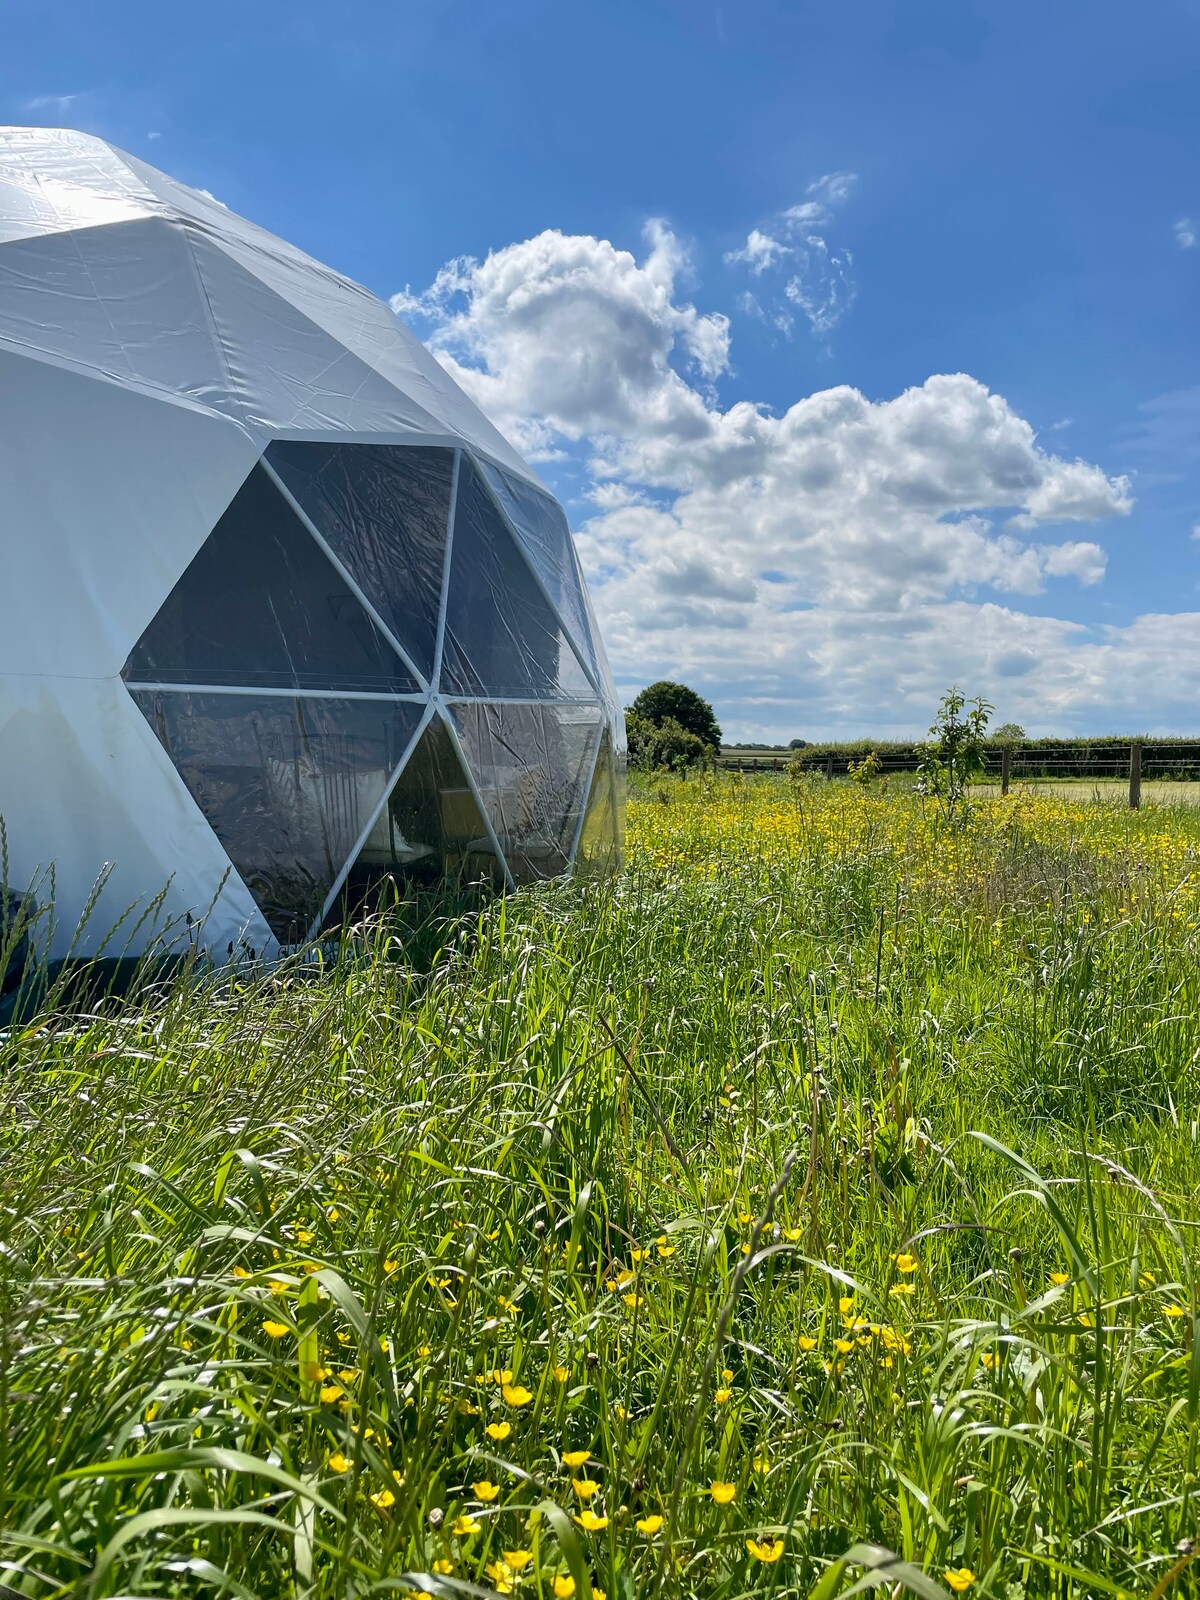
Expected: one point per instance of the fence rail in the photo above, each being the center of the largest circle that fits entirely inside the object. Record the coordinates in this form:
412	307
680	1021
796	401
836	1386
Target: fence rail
1134	761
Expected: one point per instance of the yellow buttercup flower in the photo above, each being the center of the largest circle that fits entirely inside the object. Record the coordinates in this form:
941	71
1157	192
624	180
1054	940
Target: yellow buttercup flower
443	1567
332	1392
591	1521
585	1488
846	1305
485	1491
500	1376
960	1579
791	1234
499	1431
903	1288
575	1458
722	1395
390	1264
515	1395
337	1462
464	1526
560	1374
502	1576
564	1587
275	1330
765	1548
648	1525
1059	1278
806	1342
761	1465
383	1499
664	1248
1174	1312
843	1346
905	1262
517	1560
632	1301
721	1491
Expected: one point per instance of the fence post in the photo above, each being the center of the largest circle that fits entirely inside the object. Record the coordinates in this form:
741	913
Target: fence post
1005	769
1135	774
828	769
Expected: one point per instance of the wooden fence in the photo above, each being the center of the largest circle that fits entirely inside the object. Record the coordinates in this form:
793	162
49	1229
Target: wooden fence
1130	761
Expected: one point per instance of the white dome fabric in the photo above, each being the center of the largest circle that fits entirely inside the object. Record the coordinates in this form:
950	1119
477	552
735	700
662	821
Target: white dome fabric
283	612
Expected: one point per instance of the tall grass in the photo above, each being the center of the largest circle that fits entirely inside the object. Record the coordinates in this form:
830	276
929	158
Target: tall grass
791	1163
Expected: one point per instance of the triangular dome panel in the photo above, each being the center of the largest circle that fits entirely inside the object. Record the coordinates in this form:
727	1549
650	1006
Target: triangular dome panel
531	765
503	637
546	539
288	785
137	311
262	606
286	373
53	181
384	511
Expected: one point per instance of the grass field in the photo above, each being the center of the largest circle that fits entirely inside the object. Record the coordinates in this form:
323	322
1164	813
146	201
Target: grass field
815	1206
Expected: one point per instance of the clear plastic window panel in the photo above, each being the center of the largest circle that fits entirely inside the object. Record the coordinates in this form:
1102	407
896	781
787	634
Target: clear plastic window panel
542	529
288	784
262	605
384	510
532	764
503	637
598	841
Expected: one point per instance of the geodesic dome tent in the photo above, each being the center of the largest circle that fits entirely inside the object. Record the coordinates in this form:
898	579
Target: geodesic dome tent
281	610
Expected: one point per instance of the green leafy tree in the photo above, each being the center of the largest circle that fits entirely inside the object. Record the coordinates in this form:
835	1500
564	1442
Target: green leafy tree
1009	733
668	746
674	702
954	758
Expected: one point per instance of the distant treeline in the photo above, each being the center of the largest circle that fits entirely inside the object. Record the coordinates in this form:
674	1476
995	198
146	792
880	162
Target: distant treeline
1106	757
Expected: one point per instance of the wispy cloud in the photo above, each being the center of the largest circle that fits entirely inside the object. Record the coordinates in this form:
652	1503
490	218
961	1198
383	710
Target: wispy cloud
58	103
819	282
1185	233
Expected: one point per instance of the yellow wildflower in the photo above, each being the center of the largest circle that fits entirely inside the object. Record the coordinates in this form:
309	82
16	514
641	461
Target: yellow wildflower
664	1249
383	1499
560	1374
1057	1279
331	1392
960	1579
575	1458
275	1330
585	1488
518	1560
722	1395
515	1396
648	1525
499	1431
905	1262
502	1576
591	1521
443	1567
337	1462
500	1377
485	1491
806	1342
765	1548
464	1526
1174	1312
564	1587
721	1491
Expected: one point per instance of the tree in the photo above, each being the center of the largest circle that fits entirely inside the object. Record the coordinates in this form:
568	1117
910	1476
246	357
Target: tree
654	746
1009	733
797	744
956	759
675	702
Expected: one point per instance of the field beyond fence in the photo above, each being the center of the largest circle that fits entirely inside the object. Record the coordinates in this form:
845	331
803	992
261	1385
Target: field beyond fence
815	1206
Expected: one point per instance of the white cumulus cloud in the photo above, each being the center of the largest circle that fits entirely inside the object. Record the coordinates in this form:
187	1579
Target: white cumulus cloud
840	560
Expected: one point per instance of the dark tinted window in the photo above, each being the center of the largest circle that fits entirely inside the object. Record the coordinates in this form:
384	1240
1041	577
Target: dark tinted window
502	636
261	604
384	510
288	785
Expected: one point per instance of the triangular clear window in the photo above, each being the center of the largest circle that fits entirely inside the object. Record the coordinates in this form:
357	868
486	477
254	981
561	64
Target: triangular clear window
542	530
287	784
384	511
503	637
531	764
261	605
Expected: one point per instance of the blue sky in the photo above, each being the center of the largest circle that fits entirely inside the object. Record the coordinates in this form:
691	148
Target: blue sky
700	216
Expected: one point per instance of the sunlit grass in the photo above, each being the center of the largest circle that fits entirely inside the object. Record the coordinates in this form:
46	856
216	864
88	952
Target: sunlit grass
825	1186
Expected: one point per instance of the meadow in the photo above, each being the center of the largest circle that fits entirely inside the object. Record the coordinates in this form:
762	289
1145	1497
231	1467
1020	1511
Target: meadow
813	1207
